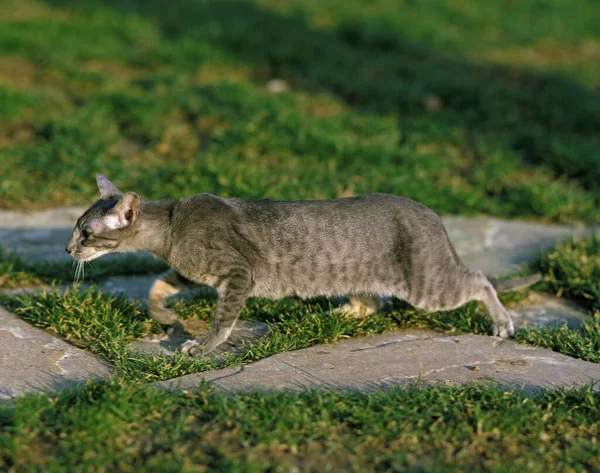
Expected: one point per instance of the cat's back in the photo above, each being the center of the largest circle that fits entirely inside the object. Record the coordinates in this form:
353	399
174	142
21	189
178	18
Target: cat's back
358	227
304	216
361	212
205	203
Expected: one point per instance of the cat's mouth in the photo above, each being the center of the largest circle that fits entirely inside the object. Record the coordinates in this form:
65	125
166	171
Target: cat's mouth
86	259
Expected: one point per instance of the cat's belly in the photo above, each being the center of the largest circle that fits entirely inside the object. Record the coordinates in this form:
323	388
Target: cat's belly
330	281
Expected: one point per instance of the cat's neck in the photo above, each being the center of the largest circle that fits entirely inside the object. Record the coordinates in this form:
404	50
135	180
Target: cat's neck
154	228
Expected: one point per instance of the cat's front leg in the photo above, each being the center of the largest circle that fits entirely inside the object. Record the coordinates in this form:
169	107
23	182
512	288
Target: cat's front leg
232	297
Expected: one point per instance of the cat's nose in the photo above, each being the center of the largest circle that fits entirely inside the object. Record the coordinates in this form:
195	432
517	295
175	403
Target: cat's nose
67	250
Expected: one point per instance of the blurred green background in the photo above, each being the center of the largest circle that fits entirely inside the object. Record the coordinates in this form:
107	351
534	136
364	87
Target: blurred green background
467	106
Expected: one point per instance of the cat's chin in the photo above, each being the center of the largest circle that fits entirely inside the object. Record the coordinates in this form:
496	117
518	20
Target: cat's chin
93	257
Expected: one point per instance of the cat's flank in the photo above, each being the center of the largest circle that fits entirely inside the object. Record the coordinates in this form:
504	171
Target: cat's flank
363	247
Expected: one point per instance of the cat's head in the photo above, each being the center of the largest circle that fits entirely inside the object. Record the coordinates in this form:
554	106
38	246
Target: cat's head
109	222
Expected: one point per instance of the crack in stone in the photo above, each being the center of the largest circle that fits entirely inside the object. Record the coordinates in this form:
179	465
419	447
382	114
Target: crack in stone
466	365
62	358
394	342
461	365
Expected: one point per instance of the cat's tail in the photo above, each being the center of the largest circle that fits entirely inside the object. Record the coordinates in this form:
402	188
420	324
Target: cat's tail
507	285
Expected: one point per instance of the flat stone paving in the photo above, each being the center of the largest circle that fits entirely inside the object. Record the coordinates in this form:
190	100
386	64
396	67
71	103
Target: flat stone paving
33	360
545	310
400	358
497	247
41	234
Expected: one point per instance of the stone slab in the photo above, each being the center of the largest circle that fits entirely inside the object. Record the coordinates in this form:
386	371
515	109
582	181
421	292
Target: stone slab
544	310
32	360
401	358
42	234
498	247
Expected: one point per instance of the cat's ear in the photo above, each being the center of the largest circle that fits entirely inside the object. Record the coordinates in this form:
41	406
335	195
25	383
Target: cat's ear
107	188
127	210
123	214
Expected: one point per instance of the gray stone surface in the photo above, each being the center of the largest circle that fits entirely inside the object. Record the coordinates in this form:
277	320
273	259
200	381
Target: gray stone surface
400	358
495	246
41	234
544	310
498	247
33	360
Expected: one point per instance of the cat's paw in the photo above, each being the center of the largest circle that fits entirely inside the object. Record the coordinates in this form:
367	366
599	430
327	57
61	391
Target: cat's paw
192	348
504	330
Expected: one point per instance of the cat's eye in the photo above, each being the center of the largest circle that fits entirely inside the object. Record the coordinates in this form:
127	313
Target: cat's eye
85	234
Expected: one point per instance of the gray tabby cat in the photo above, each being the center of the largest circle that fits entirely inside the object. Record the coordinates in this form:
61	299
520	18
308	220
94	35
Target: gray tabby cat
364	247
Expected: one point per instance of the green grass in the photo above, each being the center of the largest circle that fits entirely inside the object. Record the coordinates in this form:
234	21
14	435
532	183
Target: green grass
572	270
112	427
170	103
583	343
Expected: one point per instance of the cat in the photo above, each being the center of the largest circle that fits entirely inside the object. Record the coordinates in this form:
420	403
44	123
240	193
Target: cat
364	247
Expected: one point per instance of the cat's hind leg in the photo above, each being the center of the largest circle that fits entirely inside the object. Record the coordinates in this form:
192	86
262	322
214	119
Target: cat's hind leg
462	286
503	325
167	285
233	293
361	305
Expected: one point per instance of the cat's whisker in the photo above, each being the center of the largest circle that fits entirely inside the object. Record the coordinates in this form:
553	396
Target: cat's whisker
79	271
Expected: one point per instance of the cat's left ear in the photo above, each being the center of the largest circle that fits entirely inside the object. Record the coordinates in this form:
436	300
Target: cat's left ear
127	210
107	188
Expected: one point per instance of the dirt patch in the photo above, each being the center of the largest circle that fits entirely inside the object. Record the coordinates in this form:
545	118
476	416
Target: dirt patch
17	72
115	69
211	74
22	10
